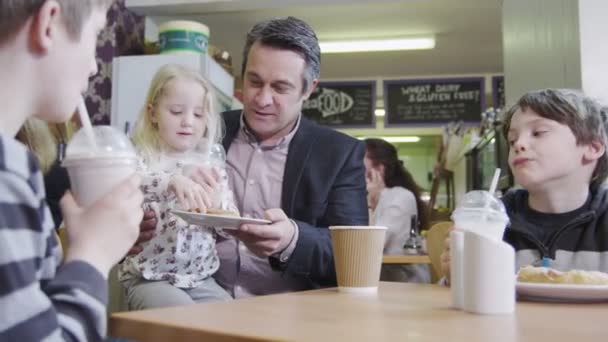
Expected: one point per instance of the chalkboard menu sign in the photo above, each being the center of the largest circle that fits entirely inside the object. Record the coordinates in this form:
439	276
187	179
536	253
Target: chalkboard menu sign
433	101
498	91
342	104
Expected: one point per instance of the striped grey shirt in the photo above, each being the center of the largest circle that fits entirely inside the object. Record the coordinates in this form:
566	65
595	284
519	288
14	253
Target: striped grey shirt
40	298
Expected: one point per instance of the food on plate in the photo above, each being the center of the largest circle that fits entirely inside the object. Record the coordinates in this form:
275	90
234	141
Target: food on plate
531	274
213	211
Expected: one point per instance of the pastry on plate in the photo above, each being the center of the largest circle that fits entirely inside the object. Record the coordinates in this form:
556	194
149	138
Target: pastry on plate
531	274
213	211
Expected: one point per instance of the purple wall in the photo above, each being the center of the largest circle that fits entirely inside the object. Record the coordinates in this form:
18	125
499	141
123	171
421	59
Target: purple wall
123	35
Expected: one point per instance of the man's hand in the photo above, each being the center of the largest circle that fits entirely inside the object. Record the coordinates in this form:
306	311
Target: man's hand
146	232
267	240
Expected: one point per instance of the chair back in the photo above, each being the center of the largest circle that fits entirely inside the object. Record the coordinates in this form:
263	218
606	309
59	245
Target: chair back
435	239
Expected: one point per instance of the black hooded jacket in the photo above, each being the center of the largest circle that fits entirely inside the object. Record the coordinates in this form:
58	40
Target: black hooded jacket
579	243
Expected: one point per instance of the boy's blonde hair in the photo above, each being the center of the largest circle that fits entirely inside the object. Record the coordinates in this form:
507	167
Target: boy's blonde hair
145	134
586	117
14	13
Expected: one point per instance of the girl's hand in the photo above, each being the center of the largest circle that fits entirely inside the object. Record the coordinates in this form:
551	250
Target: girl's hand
375	185
209	179
190	194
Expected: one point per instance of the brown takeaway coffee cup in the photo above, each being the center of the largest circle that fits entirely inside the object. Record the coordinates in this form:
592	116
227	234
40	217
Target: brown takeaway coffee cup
358	257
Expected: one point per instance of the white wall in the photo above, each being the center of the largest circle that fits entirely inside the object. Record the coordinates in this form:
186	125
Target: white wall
594	47
555	43
541	45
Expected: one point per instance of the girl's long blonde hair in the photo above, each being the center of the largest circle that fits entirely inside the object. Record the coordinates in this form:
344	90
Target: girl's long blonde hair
145	134
36	134
44	138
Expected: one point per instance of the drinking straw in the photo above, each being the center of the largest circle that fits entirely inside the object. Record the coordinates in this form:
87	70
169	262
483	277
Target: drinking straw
493	186
85	121
494	183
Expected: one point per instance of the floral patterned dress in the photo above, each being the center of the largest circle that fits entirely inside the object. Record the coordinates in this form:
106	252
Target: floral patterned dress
179	253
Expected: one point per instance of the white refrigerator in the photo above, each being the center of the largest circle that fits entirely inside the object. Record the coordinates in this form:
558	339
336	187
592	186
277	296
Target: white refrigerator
131	77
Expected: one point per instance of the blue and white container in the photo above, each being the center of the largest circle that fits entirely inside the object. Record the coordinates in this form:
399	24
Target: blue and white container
183	36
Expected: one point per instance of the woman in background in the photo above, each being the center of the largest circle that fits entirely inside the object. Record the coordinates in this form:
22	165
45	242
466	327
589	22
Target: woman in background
394	200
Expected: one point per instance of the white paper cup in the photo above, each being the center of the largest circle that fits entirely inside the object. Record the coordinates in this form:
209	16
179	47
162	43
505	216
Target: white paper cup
488	275
457	268
358	257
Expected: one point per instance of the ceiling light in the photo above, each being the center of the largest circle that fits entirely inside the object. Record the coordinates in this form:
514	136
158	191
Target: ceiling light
413	43
379	112
405	139
401	139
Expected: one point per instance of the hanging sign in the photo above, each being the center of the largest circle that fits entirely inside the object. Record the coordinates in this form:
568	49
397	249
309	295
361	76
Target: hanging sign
433	101
342	104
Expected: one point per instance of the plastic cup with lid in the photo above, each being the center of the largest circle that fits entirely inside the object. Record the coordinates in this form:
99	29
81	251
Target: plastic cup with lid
482	213
96	166
211	158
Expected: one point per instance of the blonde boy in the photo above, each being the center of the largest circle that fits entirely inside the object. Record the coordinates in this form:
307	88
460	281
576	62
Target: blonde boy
47	53
557	154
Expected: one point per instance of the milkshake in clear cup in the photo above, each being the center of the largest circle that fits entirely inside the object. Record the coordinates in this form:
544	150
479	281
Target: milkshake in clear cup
97	166
481	213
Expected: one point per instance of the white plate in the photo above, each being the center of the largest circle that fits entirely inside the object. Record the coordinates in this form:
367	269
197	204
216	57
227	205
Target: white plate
562	292
220	221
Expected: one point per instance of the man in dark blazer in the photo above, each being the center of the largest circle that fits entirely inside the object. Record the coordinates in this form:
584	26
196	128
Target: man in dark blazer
283	167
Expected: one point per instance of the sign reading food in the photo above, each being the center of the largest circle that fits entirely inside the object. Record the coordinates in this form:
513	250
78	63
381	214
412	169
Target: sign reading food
342	104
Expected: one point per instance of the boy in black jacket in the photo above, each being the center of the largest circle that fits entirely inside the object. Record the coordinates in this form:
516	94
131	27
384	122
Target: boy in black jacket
557	154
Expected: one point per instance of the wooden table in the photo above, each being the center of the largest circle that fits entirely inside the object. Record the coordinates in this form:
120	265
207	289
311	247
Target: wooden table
406	259
399	312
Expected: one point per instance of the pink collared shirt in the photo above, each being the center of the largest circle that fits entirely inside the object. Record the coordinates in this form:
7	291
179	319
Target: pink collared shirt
255	173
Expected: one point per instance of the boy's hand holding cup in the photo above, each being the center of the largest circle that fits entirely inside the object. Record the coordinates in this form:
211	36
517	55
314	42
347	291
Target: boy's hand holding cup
103	210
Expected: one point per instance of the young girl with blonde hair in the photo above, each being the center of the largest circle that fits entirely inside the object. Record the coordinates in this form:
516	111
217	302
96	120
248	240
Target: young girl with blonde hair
176	129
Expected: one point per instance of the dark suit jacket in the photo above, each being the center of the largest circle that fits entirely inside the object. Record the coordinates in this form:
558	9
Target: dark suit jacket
323	185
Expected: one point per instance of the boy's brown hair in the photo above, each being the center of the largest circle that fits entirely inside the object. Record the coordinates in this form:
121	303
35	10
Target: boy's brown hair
14	13
586	117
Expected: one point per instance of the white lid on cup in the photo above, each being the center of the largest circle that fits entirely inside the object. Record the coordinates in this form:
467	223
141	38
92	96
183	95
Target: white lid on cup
109	143
482	203
356	227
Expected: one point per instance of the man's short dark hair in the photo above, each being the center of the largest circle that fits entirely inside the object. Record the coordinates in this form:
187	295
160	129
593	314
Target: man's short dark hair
288	34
